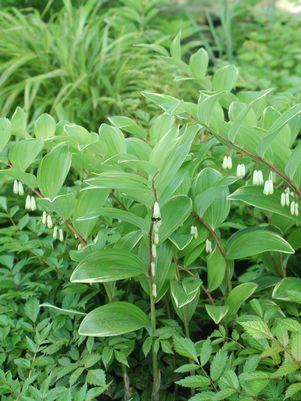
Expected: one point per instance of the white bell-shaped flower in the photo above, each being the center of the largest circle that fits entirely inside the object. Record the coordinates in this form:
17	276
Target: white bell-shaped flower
156	211
49	221
28	202
44	218
20	189
16	187
225	163
194	231
33	205
61	235
54	233
208	246
283	199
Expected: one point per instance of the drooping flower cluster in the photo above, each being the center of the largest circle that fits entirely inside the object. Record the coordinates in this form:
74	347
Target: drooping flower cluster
57	232
241	170
227	162
257	177
18	188
30	203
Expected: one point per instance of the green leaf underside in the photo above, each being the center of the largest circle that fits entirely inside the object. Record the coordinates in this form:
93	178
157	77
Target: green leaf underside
107	265
113	319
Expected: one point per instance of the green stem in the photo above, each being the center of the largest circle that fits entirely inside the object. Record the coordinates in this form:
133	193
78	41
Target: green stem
156	372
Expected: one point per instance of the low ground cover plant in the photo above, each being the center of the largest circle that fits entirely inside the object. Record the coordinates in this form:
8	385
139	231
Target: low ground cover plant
174	243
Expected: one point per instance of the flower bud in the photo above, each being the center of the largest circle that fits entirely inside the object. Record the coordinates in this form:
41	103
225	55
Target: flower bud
79	246
225	163
156	211
296	209
54	233
283	199
260	177
61	235
208	246
241	170
154	250
16	187
229	162
287	198
20	189
272	176
153	271
194	231
49	221
27	202
33	205
255	178
292	208
154	290
44	218
268	187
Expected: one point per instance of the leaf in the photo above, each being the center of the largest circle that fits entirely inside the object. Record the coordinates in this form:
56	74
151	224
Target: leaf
237	296
225	78
288	289
5	132
249	242
188	367
257	329
206	107
62	311
105	265
23	153
185	347
294	162
276	128
175	47
96	377
53	171
218	364
31	309
252	195
118	214
254	382
285	369
128	125
113	139
113	319
185	292
168	103
206	352
25	178
174	213
292	389
240	119
79	136
216	312
44	127
195	381
133	185
199	63
216	269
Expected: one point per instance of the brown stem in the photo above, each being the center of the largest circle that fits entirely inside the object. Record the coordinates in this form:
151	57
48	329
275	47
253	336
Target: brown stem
218	244
121	204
